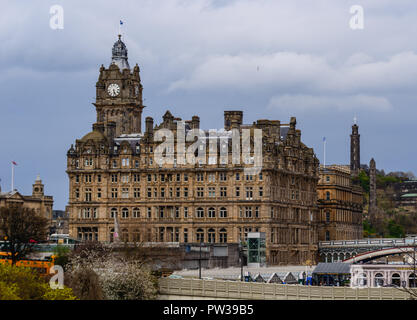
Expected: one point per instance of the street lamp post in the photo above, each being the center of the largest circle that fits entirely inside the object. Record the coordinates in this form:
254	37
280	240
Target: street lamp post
241	260
199	263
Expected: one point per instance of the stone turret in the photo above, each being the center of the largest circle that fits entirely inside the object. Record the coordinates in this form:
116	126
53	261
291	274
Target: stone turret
37	188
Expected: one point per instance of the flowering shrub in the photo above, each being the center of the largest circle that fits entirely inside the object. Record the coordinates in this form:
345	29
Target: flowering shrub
96	272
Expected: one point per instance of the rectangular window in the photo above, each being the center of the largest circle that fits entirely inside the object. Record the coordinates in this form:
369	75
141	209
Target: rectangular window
99	178
185	212
125	178
136	177
177	212
185	192
99	193
178	177
114	178
178	192
185	177
149	192
149	213
200	192
261	191
114	193
211	177
248	212
88	194
136	193
223	176
237	176
211	192
125	193
249	193
237	191
185	235
136	163
162	192
223	192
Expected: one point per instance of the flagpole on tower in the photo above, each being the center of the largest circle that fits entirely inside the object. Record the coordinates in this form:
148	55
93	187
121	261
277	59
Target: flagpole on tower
324	152
12	176
120	28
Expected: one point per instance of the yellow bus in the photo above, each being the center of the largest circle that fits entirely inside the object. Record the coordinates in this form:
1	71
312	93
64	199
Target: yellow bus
41	266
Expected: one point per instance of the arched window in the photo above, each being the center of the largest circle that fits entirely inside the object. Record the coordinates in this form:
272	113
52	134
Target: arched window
412	281
396	279
200	213
223	235
200	235
379	280
113	213
136	213
362	280
125	213
211	236
211	213
223	212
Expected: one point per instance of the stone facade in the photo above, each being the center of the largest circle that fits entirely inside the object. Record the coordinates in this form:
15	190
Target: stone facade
340	203
38	201
114	178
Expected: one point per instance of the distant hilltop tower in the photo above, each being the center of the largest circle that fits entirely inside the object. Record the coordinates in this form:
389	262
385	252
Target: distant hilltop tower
355	150
372	190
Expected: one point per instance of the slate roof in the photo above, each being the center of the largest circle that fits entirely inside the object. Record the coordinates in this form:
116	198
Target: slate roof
332	268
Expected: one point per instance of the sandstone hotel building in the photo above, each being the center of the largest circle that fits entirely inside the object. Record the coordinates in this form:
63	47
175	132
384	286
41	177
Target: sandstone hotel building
113	177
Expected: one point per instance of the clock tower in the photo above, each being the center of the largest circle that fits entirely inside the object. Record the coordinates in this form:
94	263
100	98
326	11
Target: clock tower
119	93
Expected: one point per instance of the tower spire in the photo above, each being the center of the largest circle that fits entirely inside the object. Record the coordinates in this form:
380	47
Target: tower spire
355	159
119	54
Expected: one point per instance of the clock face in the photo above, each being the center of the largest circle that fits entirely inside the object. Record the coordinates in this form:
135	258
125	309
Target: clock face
113	89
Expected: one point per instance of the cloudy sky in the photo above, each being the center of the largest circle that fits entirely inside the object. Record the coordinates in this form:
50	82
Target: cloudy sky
272	59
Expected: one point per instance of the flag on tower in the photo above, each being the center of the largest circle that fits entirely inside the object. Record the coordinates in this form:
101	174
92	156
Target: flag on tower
324	139
14	163
121	22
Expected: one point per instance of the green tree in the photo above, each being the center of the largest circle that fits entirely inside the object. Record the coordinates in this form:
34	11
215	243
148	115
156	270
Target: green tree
395	230
21	228
20	283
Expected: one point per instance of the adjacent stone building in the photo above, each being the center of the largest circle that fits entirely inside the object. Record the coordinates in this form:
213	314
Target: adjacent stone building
115	179
340	203
38	201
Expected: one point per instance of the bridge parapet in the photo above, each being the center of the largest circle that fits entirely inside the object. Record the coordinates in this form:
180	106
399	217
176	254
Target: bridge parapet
373	242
